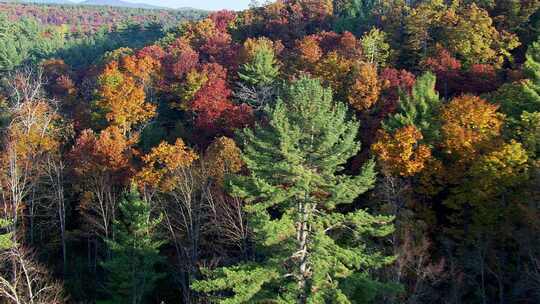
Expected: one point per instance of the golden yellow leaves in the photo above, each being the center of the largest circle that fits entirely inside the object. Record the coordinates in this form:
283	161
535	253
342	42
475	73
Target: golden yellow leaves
333	69
365	89
122	95
400	153
468	124
223	157
34	130
196	33
338	61
162	164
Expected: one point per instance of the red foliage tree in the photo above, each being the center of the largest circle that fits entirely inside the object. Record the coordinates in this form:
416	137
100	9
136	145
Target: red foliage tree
212	106
222	19
453	80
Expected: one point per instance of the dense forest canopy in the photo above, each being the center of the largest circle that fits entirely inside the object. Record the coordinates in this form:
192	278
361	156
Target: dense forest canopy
300	151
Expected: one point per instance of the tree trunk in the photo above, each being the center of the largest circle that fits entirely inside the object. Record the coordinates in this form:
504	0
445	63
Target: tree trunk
302	237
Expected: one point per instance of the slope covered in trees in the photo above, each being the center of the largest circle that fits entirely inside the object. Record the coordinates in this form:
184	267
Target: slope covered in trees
85	19
336	151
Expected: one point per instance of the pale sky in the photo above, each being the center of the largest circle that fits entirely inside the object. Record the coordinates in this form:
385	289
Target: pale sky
202	4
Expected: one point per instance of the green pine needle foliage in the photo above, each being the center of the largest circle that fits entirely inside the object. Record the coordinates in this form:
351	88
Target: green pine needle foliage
308	250
135	251
262	70
418	109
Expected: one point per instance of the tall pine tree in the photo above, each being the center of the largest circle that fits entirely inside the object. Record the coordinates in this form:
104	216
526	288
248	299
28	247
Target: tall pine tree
135	252
258	77
419	109
261	70
307	250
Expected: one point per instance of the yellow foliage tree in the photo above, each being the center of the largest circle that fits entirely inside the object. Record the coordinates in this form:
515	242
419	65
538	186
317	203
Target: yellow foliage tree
469	124
481	198
161	164
253	45
400	153
122	97
333	70
365	88
473	37
223	157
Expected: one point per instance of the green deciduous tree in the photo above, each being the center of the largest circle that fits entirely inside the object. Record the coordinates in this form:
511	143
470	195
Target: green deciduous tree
6	237
375	48
474	38
308	251
135	251
523	95
528	133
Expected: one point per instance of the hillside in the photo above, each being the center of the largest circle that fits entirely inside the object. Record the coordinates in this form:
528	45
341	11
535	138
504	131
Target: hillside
89	18
113	3
120	3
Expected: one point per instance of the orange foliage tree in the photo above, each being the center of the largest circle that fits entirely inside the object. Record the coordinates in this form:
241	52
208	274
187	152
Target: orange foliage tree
365	87
103	165
122	97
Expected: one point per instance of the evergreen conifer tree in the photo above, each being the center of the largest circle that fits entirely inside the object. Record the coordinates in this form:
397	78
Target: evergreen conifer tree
135	251
418	109
307	250
262	70
258	76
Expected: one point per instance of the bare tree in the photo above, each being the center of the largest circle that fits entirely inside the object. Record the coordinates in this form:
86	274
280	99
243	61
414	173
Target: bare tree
229	221
414	267
256	96
185	209
55	169
25	84
199	217
23	281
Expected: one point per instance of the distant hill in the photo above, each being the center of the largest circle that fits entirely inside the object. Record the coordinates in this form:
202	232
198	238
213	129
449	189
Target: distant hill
118	3
94	15
113	3
65	2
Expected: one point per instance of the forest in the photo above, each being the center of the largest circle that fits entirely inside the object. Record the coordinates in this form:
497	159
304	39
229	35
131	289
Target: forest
299	151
